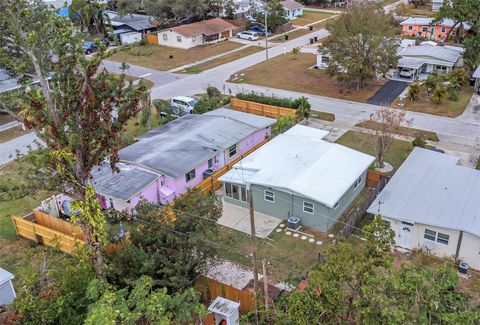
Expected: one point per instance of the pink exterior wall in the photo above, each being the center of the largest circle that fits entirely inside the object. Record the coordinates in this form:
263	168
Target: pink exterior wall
417	30
179	185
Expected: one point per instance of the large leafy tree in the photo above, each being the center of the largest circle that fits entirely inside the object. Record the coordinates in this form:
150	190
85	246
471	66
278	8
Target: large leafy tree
357	284
72	107
362	44
472	51
460	11
173	254
276	15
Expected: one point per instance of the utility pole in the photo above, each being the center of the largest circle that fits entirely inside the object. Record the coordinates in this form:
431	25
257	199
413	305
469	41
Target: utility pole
266	35
265	286
254	253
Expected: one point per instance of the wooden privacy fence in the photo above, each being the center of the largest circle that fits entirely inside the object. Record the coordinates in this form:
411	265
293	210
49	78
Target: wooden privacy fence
260	109
36	227
211	289
152	39
373	178
212	183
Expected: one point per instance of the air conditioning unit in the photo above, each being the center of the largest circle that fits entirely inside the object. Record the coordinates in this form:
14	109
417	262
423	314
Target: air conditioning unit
293	223
207	173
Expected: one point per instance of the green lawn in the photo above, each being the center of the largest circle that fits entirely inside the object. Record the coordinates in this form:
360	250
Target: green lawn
298	33
310	16
290	257
364	142
166	58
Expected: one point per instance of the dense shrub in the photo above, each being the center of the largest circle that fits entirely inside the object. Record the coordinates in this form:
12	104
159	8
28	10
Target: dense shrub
274	101
419	142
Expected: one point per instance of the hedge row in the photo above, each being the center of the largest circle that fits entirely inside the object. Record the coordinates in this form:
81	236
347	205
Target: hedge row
270	100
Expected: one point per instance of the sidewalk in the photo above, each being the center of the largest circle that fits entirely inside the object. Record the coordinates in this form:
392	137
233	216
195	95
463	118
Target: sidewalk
9	125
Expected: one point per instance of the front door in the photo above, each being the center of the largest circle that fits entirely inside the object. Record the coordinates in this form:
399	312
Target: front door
405	235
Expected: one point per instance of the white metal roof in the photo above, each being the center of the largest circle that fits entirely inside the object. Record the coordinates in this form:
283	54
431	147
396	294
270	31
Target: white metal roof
430	188
436	52
423	21
299	161
476	74
5	276
224	306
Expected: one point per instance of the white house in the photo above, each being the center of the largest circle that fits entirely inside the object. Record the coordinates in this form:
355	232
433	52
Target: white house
433	204
292	8
436	4
7	292
428	59
196	34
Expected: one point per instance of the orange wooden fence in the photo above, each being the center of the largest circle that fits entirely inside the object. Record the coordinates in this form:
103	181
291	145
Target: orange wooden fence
373	178
211	289
152	39
260	109
212	183
44	235
57	224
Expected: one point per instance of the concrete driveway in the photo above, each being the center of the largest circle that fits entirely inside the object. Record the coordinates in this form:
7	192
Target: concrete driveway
388	92
238	218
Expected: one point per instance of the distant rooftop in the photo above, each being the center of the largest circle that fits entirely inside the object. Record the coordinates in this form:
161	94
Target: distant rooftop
431	189
5	276
185	143
205	27
291	4
135	21
301	162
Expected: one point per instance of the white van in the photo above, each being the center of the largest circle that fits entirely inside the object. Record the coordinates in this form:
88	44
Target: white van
185	103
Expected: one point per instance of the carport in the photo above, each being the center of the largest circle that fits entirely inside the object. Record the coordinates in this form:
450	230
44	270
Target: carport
411	64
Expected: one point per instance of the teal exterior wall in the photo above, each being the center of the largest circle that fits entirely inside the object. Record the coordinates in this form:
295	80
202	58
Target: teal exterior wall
287	205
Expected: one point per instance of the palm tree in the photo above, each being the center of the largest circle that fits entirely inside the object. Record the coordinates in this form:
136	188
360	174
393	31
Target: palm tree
413	91
93	18
295	52
438	94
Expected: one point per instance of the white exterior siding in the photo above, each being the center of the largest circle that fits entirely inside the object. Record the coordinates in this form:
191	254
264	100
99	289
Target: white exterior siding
292	14
173	39
469	248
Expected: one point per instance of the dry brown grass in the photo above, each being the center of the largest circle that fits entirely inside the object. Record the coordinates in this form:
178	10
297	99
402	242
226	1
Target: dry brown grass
158	57
309	17
409	132
295	74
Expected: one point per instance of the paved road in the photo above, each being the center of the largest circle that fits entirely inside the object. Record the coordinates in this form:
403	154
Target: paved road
388	92
159	78
8	150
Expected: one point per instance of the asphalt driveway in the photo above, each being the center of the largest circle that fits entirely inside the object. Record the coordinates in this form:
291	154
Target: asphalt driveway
388	92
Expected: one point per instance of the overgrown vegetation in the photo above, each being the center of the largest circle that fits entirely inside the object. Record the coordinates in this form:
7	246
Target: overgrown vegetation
274	101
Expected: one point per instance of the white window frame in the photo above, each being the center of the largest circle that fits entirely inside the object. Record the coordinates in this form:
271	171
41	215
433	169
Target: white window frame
267	196
179	39
165	37
358	181
312	208
189	173
229	151
436	236
210	163
242	192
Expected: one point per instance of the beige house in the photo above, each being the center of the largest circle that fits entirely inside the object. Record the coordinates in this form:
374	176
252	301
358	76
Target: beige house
433	204
200	33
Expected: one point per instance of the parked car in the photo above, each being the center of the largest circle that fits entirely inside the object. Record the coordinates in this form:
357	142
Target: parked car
251	36
406	73
185	103
91	46
259	30
438	150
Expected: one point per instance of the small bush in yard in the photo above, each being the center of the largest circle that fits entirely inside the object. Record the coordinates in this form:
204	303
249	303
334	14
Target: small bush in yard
214	92
283	124
274	101
204	105
419	142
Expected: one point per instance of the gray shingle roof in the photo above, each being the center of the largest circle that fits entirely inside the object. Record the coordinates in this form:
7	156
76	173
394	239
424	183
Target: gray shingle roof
134	21
431	189
185	143
123	185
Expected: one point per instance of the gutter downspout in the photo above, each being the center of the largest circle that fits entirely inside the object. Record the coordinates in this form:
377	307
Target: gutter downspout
459	244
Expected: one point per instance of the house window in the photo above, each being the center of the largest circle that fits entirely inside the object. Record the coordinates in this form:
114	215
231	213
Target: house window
424	29
210	163
195	38
441	67
111	203
162	182
308	207
179	39
443	29
357	182
232	151
190	175
410	27
236	192
165	37
436	236
269	196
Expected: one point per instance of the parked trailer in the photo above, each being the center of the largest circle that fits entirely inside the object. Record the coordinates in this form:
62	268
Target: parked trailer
130	38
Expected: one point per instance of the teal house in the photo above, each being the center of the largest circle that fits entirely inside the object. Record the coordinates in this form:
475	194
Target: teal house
299	174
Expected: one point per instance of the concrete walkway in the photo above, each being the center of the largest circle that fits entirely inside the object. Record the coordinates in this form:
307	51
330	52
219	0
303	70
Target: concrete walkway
472	112
9	149
9	125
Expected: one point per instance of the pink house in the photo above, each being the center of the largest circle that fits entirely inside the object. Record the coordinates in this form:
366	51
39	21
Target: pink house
426	28
169	160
